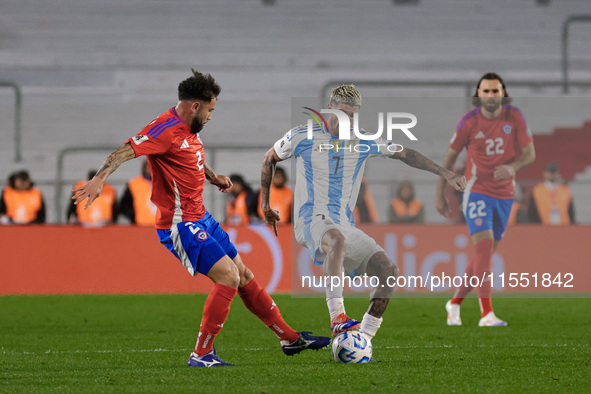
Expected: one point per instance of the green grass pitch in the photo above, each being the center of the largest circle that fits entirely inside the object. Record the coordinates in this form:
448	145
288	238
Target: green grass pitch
140	343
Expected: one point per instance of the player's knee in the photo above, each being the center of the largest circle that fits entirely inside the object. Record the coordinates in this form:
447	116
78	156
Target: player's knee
336	242
340	244
380	265
392	271
245	273
225	272
232	277
246	276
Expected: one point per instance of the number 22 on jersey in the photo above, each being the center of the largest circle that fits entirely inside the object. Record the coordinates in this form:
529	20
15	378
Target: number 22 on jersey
476	209
494	147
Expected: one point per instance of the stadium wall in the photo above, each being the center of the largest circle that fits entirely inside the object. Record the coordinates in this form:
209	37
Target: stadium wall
120	259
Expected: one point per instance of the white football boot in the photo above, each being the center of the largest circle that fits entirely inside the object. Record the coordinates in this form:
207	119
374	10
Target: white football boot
490	320
453	314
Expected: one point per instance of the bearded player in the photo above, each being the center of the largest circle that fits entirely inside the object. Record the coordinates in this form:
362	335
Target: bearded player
176	157
498	143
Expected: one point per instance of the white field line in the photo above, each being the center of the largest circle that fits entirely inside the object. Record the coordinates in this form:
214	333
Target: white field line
163	350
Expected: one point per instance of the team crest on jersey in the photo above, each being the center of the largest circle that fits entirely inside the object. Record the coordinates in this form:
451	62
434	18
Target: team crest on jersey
202	235
507	129
336	145
138	139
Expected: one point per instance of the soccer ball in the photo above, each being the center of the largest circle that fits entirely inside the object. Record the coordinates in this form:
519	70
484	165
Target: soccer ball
352	347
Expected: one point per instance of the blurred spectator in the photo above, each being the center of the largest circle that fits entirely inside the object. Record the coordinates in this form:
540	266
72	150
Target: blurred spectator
405	208
242	203
280	196
454	197
135	204
102	211
365	210
518	213
454	201
21	202
551	202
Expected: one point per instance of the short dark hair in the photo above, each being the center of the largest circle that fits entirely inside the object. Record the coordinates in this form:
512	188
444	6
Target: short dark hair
552	166
408	183
23	175
237	178
199	87
281	170
491	77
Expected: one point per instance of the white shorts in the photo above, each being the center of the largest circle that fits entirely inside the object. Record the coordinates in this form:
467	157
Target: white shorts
360	246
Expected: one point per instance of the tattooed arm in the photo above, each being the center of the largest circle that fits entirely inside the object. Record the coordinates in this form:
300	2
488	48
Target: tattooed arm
417	160
270	160
209	173
448	163
92	189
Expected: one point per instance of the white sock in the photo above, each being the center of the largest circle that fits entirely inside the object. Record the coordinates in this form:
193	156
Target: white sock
336	306
370	325
336	291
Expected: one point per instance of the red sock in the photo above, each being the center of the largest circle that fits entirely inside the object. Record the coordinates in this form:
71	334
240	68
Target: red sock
259	302
215	312
482	266
463	290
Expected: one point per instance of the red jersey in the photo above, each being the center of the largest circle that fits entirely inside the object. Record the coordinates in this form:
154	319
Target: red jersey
176	160
491	143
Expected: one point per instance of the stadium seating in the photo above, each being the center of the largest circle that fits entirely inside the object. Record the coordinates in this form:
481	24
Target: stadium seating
569	147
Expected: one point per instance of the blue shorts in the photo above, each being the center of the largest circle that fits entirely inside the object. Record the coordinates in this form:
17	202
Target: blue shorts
199	244
486	213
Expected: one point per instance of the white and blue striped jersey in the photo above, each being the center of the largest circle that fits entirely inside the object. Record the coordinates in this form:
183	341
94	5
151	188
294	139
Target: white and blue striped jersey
328	171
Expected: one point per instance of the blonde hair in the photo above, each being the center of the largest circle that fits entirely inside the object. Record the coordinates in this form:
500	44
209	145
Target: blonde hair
346	94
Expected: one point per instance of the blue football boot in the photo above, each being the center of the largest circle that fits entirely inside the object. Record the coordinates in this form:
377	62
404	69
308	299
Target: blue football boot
305	341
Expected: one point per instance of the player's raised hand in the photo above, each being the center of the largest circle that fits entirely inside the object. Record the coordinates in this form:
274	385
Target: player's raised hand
272	217
222	182
457	181
503	172
91	189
